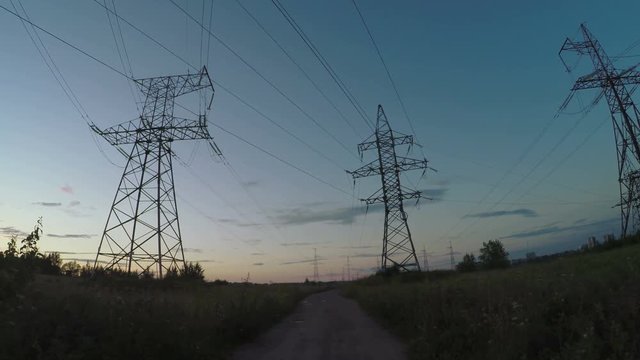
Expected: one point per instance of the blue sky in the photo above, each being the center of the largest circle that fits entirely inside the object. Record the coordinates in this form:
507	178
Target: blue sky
480	80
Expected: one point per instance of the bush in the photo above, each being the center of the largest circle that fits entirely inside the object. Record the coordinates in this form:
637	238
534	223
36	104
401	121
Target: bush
493	255
192	271
468	263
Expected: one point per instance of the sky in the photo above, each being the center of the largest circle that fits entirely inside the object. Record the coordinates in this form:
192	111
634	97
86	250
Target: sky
481	82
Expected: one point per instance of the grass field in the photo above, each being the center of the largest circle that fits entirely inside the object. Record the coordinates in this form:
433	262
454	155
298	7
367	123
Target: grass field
579	307
56	317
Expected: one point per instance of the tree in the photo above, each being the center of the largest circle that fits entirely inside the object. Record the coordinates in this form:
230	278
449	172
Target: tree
192	271
71	268
493	255
29	248
468	263
12	248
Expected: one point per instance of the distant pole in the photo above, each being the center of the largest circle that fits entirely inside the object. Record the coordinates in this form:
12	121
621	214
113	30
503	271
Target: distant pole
425	260
348	270
453	260
316	276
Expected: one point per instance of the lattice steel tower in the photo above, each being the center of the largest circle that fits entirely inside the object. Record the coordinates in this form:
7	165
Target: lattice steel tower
142	231
624	116
397	245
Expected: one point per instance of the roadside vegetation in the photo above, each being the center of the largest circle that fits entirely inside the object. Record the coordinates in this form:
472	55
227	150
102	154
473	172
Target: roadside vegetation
50	310
579	306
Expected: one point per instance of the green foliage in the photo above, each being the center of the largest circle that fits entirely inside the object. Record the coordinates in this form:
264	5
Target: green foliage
73	318
468	263
493	255
580	307
192	271
12	248
17	267
29	245
71	268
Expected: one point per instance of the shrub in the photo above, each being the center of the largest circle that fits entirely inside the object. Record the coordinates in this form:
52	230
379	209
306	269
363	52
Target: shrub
192	271
468	263
493	255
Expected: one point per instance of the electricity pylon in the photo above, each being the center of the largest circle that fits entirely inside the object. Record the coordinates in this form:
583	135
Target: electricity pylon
142	232
316	276
625	117
397	246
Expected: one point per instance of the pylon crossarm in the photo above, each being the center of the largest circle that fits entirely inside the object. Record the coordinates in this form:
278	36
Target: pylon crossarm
183	84
402	139
129	133
405	163
368	145
372	168
118	134
599	79
380	199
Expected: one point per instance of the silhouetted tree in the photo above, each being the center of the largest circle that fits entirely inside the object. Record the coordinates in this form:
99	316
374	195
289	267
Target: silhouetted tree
71	268
29	248
468	263
12	248
192	271
493	255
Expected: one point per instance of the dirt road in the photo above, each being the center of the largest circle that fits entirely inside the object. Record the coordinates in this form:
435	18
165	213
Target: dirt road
325	326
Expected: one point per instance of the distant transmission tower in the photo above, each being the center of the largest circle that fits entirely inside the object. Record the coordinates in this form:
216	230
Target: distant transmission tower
316	276
425	259
142	231
397	246
624	115
451	258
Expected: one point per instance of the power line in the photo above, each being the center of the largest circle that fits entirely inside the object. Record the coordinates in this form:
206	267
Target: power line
66	43
164	47
280	159
269	82
115	39
218	84
263	115
59	77
210	27
306	75
325	64
386	68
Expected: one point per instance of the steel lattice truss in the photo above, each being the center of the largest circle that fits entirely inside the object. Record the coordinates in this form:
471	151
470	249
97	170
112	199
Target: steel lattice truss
624	115
397	245
142	231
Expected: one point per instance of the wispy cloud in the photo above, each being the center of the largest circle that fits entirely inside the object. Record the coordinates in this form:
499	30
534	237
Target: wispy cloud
10	231
71	236
252	242
517	212
357	247
343	216
236	222
48	204
258	264
434	194
257	254
302	261
67	189
364	255
558	229
299	243
193	250
74	203
251	183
